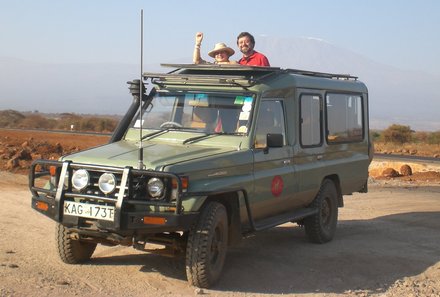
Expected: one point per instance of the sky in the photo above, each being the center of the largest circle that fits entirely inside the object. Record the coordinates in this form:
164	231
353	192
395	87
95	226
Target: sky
401	33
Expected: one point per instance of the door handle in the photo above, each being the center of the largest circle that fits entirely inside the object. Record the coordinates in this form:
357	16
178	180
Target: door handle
286	162
319	157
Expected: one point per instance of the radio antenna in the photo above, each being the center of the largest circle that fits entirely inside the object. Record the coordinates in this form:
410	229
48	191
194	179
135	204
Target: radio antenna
141	150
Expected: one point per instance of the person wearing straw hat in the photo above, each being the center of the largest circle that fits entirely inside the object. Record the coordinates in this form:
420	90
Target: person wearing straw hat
220	53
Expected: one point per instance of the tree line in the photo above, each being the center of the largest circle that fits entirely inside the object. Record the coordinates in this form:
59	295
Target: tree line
395	133
64	121
400	134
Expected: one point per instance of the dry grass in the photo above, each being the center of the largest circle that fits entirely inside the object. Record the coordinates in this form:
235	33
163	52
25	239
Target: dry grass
416	149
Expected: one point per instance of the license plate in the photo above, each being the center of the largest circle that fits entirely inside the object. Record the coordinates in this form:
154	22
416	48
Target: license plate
92	211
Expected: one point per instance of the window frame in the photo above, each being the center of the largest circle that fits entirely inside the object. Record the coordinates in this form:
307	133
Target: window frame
174	109
283	108
363	123
321	134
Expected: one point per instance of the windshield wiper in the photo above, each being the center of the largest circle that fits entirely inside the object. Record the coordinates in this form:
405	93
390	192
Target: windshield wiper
229	133
155	133
210	134
162	131
196	138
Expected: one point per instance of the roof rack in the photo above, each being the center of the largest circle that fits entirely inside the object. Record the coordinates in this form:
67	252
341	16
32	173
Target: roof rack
235	67
227	75
197	79
218	75
322	74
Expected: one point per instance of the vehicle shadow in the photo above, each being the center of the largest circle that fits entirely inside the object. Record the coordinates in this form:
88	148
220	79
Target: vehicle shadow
167	266
366	255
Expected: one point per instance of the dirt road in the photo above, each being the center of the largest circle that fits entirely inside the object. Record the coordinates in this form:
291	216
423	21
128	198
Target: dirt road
387	244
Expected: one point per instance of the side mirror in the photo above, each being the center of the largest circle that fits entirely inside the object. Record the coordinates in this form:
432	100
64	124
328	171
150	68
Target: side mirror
275	140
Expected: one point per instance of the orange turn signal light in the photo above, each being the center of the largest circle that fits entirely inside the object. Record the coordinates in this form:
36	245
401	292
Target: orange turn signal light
155	220
42	205
53	170
184	180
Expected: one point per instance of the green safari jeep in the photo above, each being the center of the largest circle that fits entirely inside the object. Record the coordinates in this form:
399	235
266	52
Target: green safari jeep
206	155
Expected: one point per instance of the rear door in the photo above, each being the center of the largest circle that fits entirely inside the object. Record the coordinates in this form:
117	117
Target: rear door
309	152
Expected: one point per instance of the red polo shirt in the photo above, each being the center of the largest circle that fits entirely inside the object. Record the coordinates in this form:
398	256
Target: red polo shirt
256	59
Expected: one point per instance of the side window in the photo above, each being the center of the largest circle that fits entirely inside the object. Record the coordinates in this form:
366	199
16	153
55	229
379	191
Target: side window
344	118
270	120
311	117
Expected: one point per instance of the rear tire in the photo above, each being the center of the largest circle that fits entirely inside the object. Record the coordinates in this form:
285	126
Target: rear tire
321	227
72	251
206	246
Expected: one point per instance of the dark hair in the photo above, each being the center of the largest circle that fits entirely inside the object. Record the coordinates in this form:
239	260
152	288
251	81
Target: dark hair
244	34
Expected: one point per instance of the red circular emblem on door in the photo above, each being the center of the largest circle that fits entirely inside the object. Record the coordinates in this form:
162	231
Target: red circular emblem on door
277	186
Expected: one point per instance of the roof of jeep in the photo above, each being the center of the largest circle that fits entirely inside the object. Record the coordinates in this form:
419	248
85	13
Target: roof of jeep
249	76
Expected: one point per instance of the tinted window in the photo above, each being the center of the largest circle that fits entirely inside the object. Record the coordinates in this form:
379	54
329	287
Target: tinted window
344	118
310	120
270	120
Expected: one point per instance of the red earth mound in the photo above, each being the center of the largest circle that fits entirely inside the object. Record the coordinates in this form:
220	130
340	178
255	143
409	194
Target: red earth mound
19	148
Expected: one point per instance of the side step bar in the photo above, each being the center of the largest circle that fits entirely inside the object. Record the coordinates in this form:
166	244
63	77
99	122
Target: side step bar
279	219
268	223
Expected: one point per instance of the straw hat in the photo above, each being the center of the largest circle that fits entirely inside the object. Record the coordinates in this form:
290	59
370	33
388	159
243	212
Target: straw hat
221	47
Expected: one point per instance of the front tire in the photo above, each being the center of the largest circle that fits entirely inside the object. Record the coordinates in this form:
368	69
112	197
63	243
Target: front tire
206	246
72	251
321	227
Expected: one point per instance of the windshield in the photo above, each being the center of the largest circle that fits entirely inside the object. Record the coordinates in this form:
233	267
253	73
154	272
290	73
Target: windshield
204	112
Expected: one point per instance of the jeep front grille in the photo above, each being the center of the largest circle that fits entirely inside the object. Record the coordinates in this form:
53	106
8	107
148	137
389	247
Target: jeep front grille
131	189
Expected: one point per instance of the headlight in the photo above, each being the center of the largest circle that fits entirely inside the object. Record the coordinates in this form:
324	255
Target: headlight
107	183
80	179
155	187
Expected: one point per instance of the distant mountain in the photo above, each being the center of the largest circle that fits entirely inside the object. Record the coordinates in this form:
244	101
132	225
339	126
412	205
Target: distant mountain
396	96
80	88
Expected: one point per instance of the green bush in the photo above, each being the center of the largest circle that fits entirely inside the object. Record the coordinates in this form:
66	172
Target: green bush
434	138
397	134
375	135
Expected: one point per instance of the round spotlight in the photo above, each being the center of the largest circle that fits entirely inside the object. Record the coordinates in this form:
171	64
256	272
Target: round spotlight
107	183
155	187
80	179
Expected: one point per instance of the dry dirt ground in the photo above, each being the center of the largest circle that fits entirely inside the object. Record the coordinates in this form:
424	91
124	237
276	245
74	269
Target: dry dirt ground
387	244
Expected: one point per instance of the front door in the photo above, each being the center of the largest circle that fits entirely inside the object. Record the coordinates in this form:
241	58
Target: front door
273	170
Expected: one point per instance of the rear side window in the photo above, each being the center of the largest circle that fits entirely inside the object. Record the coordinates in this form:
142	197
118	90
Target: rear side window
311	116
345	121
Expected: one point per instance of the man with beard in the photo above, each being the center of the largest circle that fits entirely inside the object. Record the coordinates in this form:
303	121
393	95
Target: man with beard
246	43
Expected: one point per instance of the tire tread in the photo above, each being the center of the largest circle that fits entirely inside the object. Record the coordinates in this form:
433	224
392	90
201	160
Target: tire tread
312	224
197	259
69	250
